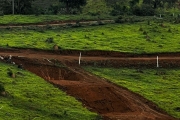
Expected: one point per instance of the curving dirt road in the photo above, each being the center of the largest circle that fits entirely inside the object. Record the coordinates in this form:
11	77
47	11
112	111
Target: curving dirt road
112	102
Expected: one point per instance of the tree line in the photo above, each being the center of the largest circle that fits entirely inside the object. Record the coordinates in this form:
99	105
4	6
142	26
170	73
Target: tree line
113	7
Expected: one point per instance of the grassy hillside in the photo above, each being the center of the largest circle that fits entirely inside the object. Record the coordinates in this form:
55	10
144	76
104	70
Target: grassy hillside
158	85
30	97
25	19
134	38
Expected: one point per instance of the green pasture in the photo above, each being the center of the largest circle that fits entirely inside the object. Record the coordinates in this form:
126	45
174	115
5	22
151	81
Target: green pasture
31	98
158	85
143	37
25	19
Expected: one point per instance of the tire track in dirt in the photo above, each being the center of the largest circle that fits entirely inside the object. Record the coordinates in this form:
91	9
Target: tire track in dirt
98	95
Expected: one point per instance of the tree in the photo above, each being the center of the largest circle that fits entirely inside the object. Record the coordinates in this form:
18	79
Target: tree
96	8
23	6
20	6
155	3
5	7
73	4
134	6
119	7
160	3
114	2
133	2
172	3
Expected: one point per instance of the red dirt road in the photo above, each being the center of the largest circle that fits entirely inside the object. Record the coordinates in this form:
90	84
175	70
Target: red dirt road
110	101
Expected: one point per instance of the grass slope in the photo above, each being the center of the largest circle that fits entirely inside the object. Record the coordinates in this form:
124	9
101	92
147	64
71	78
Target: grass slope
134	38
30	97
158	85
25	19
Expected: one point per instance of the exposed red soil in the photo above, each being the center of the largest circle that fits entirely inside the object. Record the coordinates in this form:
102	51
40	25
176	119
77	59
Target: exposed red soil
98	95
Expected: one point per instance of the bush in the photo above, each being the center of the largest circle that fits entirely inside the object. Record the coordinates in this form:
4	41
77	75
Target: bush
2	89
53	9
115	12
143	10
119	10
50	40
120	19
11	73
147	10
140	29
100	22
136	10
1	13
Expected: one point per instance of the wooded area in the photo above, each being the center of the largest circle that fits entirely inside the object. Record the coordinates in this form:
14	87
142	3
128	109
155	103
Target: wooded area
92	7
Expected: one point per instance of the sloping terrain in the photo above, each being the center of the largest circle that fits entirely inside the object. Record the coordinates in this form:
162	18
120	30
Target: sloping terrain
109	100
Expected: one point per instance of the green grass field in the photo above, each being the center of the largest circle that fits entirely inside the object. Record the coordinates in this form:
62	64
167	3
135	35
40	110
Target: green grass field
25	19
30	97
158	85
134	38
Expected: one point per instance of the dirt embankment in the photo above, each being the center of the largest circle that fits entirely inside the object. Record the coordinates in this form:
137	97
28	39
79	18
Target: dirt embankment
100	58
110	101
98	95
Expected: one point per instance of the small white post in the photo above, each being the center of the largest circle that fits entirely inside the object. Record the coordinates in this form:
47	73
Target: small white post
80	58
157	61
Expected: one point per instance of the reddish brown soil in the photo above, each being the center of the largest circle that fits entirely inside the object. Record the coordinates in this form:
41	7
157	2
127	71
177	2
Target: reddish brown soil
98	95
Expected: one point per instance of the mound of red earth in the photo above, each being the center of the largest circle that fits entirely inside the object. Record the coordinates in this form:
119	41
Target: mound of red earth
110	101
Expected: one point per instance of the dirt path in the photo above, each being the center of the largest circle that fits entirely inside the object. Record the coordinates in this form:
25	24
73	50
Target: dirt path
51	24
98	95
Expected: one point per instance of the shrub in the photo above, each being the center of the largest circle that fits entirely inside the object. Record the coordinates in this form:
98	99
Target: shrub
143	10
147	10
115	12
136	10
100	22
177	109
169	30
120	19
144	33
11	74
1	13
140	29
2	89
50	40
147	38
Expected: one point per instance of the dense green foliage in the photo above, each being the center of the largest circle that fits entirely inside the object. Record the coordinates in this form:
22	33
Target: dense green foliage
73	4
20	6
97	8
30	97
114	7
158	85
144	37
2	89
